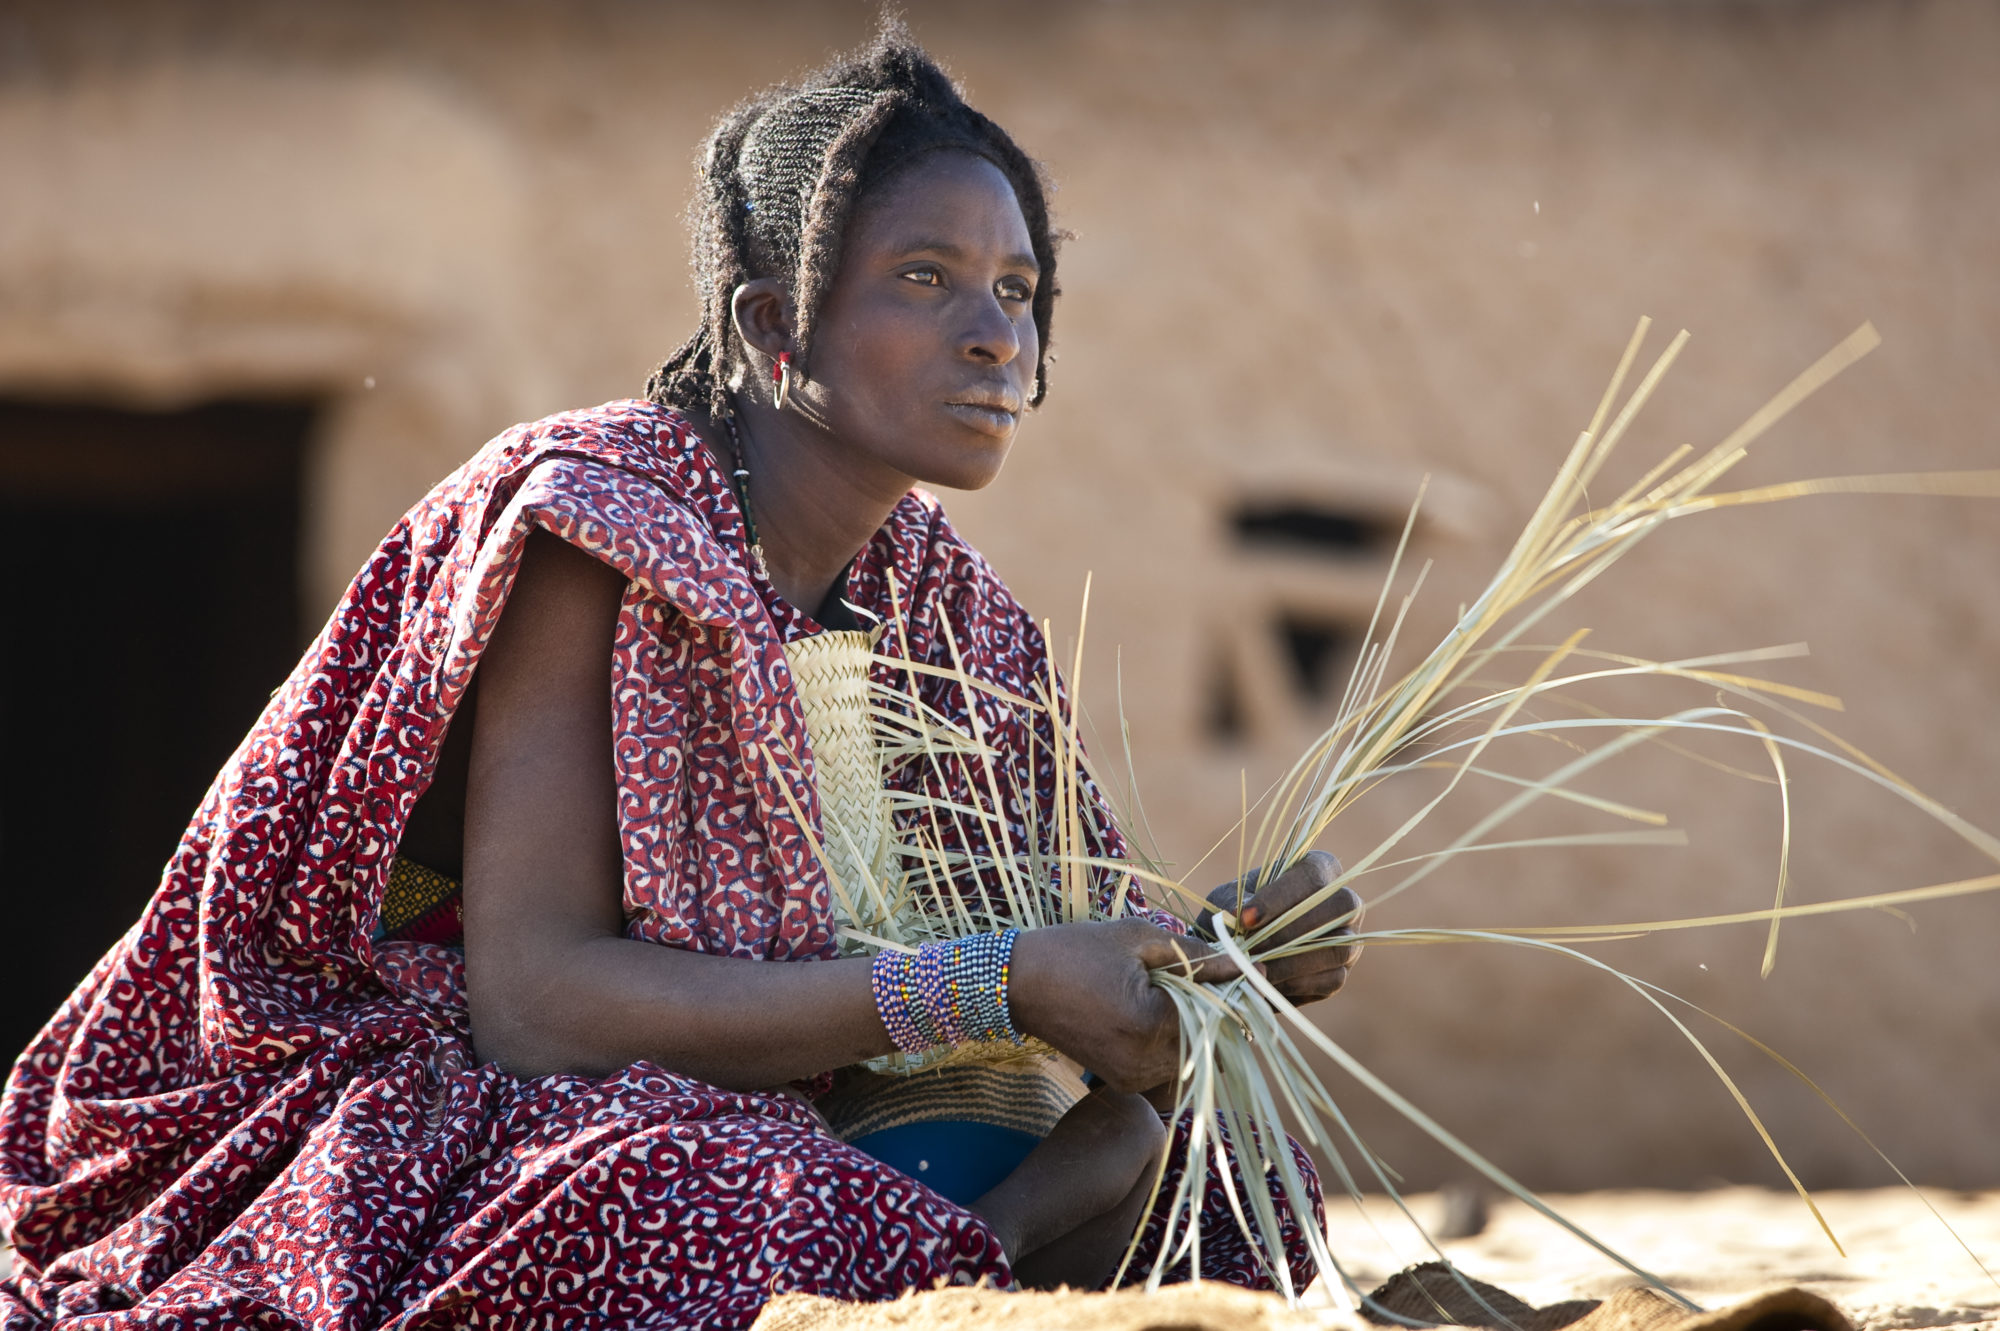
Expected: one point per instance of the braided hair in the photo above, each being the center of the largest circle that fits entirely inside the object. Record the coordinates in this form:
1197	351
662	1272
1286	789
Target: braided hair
779	180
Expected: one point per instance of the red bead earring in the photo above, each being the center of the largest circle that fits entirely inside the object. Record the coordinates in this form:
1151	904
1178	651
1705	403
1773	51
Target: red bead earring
781	379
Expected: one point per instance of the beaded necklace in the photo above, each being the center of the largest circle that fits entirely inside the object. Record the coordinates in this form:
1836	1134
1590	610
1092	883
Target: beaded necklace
739	481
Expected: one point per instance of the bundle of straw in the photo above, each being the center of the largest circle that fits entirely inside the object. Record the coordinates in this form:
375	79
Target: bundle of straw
969	863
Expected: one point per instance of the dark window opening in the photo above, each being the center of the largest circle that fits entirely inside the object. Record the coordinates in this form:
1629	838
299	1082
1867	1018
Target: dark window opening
151	598
1222	712
1310	530
1320	651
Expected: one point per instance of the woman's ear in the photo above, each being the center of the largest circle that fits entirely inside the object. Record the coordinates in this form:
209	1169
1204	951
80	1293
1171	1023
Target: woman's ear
762	311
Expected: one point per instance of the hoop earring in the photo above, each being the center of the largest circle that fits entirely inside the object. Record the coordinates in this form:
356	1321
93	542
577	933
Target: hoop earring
781	379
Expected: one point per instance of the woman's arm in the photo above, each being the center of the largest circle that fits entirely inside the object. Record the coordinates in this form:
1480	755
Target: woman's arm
553	985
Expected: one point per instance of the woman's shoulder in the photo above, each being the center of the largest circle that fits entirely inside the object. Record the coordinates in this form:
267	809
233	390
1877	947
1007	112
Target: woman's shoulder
608	456
629	433
629	482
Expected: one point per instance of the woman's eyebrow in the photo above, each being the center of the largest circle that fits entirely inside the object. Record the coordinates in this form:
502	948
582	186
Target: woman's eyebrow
945	249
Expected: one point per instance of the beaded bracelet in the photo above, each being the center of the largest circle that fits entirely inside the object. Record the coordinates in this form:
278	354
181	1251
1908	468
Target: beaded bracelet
980	969
946	993
892	979
933	988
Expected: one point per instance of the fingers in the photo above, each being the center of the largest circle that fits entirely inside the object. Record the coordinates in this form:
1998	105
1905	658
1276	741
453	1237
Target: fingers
1294	890
1309	977
1214	969
1192	957
1323	968
1324	953
1234	894
1314	871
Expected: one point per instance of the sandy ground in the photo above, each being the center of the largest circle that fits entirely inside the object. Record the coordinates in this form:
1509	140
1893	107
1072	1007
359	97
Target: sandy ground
1903	1268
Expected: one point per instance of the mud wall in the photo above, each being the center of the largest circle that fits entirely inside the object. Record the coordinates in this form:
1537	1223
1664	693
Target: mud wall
1321	253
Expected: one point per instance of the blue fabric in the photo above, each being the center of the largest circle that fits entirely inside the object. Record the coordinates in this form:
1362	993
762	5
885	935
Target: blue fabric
960	1160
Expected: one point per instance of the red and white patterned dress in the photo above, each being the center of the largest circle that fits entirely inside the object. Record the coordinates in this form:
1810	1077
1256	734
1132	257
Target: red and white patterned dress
253	1114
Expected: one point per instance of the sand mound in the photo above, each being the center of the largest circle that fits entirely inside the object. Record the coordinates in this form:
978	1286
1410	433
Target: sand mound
1431	1293
1186	1308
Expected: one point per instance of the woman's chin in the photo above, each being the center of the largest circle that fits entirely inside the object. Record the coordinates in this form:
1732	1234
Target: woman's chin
970	473
967	462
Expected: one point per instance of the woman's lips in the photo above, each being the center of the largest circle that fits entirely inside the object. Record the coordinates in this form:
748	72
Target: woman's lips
988	416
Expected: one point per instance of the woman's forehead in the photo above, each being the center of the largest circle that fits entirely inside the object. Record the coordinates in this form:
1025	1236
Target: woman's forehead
948	202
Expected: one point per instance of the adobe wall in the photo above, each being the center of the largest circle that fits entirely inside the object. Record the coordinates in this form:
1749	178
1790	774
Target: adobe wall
1321	252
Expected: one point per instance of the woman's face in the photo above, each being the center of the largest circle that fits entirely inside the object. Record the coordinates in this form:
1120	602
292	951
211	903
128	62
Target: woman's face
925	352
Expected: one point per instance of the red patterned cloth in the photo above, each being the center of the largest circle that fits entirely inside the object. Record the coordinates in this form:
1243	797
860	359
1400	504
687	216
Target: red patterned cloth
251	1114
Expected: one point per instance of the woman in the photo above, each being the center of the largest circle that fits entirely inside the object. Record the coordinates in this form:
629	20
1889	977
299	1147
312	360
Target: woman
286	1100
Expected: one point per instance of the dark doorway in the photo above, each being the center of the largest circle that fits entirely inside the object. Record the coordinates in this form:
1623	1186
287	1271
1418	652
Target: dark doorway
151	605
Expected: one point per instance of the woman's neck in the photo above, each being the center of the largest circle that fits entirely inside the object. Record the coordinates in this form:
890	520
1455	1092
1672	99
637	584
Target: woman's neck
815	504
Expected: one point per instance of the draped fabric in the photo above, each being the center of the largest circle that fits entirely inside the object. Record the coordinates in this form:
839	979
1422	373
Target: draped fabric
253	1114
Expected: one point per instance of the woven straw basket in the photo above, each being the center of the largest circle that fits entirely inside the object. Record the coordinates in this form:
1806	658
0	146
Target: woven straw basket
830	671
858	834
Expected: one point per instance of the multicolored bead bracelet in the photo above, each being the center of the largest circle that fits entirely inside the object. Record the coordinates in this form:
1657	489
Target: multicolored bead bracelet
945	993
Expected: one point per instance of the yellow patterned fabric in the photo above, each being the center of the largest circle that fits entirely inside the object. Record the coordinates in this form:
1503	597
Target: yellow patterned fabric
421	905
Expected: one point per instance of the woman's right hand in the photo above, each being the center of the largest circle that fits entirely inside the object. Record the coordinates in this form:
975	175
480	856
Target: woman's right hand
1085	989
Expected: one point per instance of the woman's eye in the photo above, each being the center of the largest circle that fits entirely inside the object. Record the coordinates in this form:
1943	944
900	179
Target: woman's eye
1014	289
929	277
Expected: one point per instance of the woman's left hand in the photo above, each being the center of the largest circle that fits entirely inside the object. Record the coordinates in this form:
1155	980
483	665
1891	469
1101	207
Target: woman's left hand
1309	976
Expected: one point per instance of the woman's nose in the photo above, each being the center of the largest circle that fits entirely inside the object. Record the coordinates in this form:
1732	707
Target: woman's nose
991	336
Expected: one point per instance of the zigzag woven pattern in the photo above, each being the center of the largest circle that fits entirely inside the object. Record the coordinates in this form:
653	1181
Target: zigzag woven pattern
830	671
1026	1096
